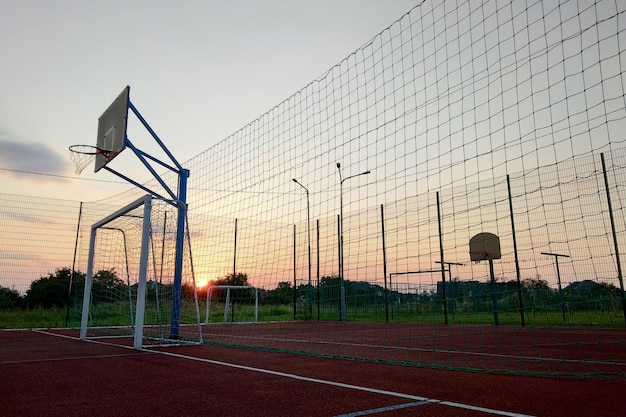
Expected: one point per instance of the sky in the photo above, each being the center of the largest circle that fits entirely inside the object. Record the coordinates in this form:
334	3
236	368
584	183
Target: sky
198	71
201	71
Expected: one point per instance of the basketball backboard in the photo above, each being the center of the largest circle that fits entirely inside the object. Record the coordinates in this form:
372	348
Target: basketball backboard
112	129
484	246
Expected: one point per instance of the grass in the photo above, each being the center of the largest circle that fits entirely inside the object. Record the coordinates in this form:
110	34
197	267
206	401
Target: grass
33	318
119	314
586	318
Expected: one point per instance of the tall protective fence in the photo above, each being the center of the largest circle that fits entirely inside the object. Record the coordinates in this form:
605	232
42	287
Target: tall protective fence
460	118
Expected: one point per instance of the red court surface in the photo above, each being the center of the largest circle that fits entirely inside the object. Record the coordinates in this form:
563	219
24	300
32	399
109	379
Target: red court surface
51	373
534	351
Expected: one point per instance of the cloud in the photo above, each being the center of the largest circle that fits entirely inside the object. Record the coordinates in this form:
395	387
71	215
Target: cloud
34	157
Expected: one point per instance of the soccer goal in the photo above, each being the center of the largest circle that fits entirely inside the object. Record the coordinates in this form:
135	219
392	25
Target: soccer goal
129	285
232	304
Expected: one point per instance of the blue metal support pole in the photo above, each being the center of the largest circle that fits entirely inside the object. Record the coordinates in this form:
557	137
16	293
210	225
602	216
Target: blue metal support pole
139	155
180	242
154	135
135	183
178	199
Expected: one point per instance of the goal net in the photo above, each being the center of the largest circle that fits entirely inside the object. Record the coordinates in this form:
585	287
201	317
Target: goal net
129	288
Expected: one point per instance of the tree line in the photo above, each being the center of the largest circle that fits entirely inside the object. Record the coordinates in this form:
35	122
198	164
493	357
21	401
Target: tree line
53	290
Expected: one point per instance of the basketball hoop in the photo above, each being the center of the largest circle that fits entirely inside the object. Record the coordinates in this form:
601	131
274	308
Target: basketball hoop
477	256
82	155
484	247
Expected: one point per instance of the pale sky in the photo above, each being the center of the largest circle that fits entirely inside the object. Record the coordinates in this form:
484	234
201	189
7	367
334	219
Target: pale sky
198	70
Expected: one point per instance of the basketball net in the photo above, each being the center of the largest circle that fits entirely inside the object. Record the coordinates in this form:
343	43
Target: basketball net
82	155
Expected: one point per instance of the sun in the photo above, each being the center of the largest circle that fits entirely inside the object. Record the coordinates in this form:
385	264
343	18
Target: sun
203	283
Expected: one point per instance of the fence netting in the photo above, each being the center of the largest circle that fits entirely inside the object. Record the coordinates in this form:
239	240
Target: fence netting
459	118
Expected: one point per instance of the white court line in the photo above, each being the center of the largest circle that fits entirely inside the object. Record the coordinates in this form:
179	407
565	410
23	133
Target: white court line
70	358
313	380
451	352
383	409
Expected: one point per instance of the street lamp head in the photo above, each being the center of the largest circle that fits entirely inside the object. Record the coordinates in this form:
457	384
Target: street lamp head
338	165
366	172
300	184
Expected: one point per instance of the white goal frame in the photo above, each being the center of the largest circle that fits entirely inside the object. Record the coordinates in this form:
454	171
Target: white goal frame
143	209
227	302
138	325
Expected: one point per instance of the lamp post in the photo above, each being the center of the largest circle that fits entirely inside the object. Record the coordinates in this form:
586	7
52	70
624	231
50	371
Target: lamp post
342	302
308	220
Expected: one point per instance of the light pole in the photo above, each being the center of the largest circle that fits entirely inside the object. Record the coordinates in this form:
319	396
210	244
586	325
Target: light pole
308	221
342	302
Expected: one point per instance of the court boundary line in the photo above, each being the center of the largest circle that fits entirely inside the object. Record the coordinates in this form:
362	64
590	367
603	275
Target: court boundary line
383	409
415	349
415	398
71	358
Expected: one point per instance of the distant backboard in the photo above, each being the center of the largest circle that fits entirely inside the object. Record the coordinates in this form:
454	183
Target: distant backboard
484	246
112	129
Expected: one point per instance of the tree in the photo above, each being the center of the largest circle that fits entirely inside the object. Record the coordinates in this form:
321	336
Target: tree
54	290
283	294
330	288
238	279
107	286
535	283
9	299
51	291
538	292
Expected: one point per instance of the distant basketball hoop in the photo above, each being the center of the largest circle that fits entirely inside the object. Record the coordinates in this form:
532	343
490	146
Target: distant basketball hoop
82	155
484	246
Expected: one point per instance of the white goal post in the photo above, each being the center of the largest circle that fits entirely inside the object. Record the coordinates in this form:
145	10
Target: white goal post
231	294
136	241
